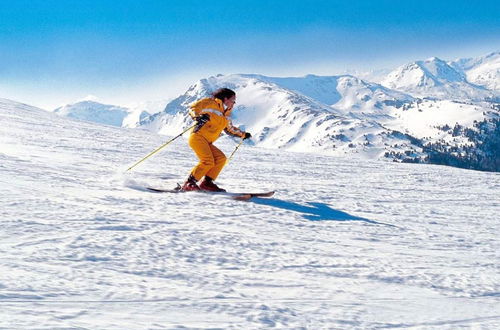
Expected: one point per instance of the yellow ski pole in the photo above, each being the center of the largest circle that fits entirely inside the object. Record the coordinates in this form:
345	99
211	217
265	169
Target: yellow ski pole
229	158
159	148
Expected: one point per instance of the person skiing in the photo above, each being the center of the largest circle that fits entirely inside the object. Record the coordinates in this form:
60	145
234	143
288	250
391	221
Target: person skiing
212	116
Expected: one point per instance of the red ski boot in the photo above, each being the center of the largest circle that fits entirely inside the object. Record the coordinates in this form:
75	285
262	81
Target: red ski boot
190	184
209	185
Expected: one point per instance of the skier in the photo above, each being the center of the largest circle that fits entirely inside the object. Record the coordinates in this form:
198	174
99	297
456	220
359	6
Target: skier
212	117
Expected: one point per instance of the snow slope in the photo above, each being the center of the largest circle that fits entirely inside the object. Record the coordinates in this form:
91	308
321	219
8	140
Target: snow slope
344	243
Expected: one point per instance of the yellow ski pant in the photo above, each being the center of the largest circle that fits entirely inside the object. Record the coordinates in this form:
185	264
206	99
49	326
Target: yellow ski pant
212	160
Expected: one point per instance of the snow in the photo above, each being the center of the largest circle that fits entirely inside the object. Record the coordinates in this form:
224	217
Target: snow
484	71
368	120
344	243
344	92
435	78
279	116
141	110
424	119
89	110
341	115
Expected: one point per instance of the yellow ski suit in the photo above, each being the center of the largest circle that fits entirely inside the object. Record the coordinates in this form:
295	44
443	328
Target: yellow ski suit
212	160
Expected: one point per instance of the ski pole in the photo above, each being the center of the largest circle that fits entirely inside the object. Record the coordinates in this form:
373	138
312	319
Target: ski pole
227	160
159	148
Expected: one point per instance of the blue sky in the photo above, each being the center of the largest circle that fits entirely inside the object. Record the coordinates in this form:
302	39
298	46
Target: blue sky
54	52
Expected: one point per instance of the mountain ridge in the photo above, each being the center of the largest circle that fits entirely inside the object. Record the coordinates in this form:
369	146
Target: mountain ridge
435	78
422	109
368	120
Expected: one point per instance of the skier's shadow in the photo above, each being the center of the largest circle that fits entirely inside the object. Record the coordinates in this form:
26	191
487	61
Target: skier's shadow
314	211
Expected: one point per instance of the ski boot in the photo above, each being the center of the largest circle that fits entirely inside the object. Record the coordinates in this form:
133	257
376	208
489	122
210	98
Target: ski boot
190	184
209	185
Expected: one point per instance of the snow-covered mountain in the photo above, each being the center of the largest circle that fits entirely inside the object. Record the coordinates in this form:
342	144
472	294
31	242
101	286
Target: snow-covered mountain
96	112
484	71
345	115
343	244
93	111
140	111
425	111
344	92
435	78
374	75
282	113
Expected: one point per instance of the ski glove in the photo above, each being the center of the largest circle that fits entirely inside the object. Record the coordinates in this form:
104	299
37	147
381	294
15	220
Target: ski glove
247	136
202	119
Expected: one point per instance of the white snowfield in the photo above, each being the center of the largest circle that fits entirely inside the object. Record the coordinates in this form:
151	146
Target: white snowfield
344	244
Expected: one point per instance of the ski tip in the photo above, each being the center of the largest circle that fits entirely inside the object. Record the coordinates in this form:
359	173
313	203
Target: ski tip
161	190
157	190
247	196
244	197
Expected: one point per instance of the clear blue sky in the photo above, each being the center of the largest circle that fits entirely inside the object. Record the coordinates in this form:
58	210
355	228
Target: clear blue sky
55	51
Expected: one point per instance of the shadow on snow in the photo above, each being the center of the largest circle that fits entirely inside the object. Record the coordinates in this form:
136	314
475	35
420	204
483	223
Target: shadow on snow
314	211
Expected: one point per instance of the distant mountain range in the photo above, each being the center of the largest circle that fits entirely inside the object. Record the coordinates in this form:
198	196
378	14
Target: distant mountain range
429	111
110	114
483	71
95	112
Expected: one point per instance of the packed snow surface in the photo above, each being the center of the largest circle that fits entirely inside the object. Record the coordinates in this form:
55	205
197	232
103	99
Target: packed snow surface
343	244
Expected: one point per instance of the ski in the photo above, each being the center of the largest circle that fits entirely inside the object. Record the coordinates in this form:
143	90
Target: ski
158	190
177	189
241	196
247	196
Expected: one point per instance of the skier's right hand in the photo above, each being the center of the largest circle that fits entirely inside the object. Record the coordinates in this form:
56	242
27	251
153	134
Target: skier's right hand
202	119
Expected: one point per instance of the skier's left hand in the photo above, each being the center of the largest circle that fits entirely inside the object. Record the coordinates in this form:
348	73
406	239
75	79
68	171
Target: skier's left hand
247	136
202	119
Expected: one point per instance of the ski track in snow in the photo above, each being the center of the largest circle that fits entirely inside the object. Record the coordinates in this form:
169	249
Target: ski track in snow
344	243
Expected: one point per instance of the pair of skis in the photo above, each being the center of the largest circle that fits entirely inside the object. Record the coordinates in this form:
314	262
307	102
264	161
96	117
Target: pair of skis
236	196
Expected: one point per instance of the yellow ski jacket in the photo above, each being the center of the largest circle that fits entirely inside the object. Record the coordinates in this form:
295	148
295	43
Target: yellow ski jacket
219	119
